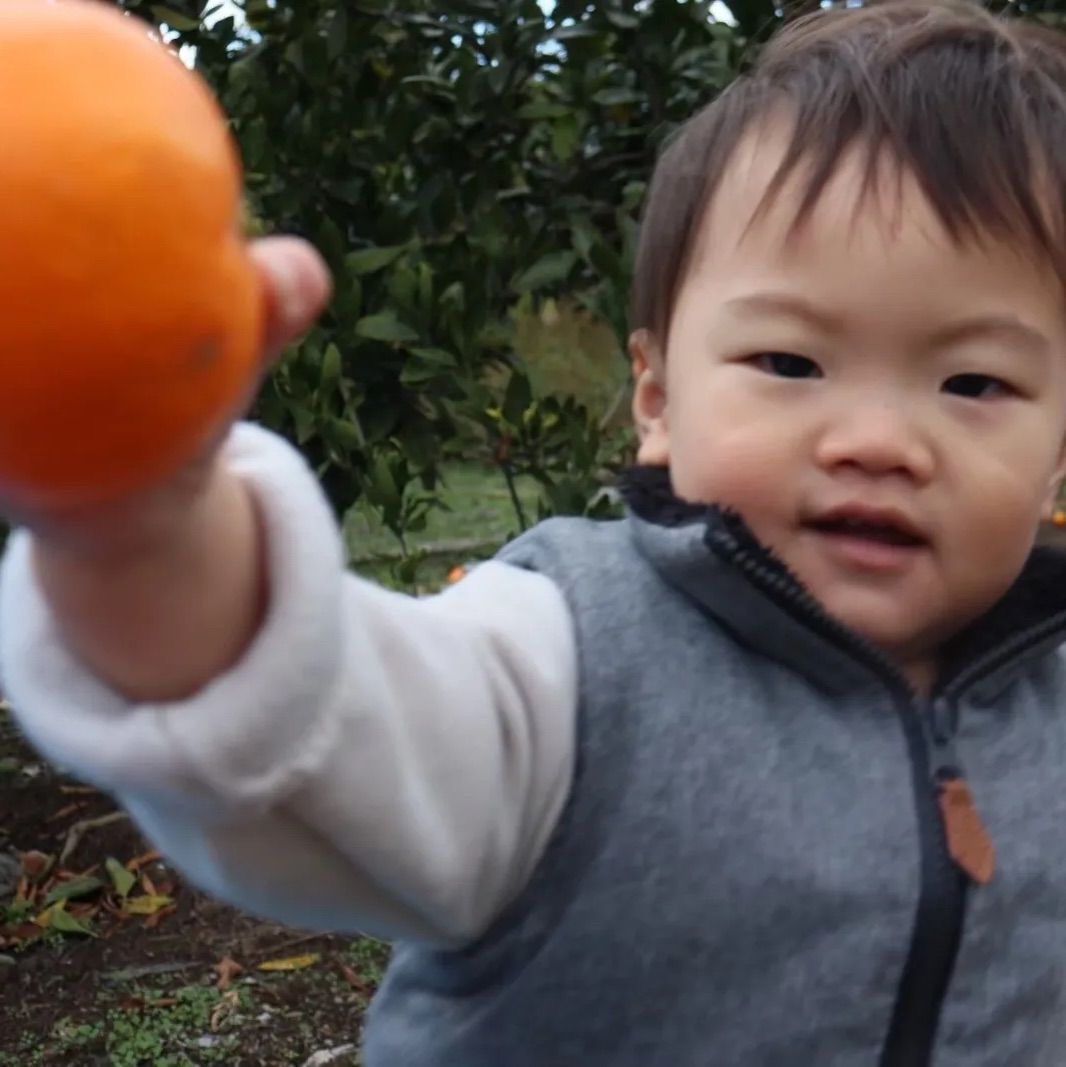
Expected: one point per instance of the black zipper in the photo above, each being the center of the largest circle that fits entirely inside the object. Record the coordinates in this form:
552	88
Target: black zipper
938	923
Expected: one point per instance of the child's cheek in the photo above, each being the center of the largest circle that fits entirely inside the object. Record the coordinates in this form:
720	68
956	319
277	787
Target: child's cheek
748	467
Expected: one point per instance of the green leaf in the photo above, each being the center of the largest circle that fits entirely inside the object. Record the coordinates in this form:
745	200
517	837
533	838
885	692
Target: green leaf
437	357
543	109
430	82
58	918
74	889
577	31
331	240
620	95
454	296
304	420
331	364
383	489
256	9
174	19
425	364
122	879
385	327
338	34
346	433
584	236
548	270
369	260
517	398
566	133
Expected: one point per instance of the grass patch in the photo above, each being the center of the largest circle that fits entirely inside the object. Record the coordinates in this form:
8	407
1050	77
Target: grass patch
476	517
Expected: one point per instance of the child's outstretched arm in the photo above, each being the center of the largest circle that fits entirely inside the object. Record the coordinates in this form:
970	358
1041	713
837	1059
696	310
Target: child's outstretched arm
297	740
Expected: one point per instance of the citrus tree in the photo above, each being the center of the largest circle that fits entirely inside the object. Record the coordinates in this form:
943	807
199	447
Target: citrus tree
453	161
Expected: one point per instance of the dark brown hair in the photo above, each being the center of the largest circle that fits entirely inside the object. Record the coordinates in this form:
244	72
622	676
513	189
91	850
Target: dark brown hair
971	104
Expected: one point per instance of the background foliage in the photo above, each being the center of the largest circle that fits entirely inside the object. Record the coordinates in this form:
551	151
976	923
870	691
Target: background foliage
460	166
464	167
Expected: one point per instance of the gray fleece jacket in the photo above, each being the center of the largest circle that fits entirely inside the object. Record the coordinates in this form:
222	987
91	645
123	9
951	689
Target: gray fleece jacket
751	867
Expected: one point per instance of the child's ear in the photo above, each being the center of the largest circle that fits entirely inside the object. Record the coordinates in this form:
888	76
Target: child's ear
1051	500
1055	482
649	399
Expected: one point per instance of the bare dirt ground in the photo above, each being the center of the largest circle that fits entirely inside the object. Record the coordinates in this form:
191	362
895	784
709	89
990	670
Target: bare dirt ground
135	969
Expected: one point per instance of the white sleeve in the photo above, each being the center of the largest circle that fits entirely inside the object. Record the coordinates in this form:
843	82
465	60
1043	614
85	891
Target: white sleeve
374	762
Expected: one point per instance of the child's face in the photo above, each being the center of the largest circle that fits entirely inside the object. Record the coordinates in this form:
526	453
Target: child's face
865	369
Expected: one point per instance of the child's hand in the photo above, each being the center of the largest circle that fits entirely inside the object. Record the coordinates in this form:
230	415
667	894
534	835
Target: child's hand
160	592
297	287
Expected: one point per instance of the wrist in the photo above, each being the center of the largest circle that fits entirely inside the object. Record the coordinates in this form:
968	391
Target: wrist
159	611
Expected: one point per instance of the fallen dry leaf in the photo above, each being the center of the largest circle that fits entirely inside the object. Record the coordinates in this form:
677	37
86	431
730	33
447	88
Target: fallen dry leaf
24	932
227	969
35	864
229	1003
146	905
154	920
293	963
144	858
69	809
354	980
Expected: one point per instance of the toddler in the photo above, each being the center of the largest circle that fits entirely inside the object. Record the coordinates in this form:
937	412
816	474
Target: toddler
771	771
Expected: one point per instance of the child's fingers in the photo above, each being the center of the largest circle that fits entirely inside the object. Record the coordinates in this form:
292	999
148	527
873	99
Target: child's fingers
298	287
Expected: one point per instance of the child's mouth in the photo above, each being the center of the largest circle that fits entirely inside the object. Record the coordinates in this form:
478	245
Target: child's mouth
882	532
869	539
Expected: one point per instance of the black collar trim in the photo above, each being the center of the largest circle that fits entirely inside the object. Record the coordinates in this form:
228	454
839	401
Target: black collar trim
648	494
1036	600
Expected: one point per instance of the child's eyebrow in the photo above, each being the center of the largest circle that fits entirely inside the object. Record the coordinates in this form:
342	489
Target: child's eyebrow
791	306
1006	326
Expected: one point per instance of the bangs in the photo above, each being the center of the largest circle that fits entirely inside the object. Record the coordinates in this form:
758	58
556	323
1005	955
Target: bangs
971	106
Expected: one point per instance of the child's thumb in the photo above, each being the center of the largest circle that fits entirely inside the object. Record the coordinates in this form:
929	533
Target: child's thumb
297	287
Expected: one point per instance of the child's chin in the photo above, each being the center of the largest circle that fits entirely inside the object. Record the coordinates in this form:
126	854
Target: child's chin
890	625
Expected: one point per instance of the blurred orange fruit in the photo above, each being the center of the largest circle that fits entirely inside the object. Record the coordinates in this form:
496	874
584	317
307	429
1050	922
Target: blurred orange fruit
131	310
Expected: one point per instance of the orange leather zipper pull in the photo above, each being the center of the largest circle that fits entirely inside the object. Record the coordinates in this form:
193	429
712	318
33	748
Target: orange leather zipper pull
968	842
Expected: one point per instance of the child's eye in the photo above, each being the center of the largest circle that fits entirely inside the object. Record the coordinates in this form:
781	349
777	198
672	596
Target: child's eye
786	365
977	386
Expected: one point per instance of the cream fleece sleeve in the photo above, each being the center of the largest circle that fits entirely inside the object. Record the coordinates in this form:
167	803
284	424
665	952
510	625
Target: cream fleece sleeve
375	762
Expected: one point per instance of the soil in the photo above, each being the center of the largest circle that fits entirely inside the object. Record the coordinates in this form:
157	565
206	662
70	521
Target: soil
145	989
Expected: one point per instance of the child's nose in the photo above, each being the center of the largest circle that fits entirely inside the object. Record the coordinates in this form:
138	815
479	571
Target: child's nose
877	439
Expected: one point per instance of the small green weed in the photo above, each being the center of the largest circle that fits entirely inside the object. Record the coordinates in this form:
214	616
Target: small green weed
18	911
163	1031
368	958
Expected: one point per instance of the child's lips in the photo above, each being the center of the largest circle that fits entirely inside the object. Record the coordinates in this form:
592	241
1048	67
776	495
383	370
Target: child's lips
882	540
859	551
